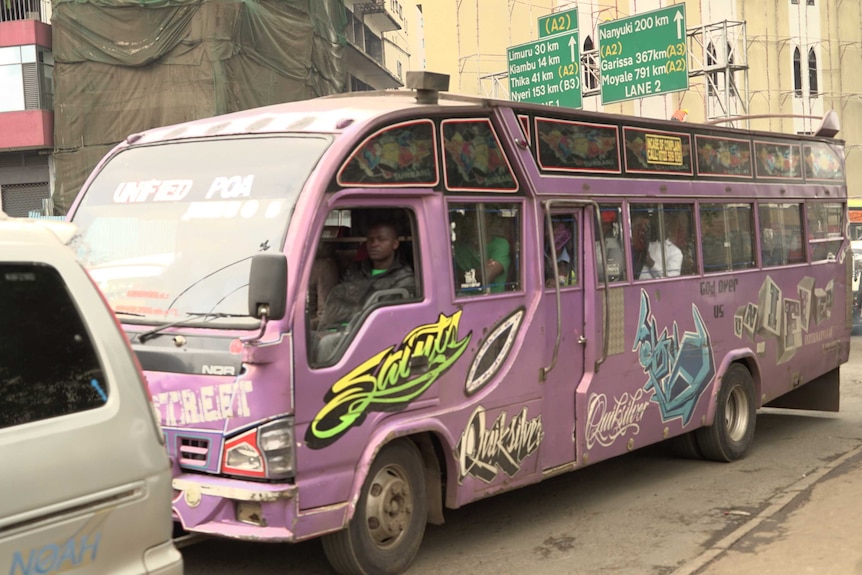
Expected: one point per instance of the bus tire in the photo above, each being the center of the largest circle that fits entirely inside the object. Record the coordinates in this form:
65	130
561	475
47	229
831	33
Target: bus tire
731	433
389	521
685	446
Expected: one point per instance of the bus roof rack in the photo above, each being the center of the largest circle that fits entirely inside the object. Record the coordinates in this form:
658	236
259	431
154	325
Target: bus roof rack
427	85
830	125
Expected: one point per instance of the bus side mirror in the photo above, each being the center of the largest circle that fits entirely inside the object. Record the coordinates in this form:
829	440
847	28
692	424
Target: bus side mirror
267	286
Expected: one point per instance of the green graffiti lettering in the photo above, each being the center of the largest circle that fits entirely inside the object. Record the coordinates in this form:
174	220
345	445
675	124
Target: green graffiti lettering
384	382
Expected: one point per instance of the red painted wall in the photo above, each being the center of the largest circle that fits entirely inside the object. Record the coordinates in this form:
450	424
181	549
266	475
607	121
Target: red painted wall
27	129
24	33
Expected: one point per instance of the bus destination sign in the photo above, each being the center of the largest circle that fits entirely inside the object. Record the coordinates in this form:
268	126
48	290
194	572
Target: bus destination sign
546	71
643	55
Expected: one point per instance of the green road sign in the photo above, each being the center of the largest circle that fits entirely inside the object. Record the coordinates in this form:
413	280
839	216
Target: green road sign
559	22
643	55
546	71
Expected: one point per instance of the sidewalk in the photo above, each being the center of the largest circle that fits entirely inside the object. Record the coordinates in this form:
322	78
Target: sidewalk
815	527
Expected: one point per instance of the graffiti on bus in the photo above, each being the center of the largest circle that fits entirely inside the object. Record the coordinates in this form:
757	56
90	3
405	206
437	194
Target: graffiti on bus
678	367
791	322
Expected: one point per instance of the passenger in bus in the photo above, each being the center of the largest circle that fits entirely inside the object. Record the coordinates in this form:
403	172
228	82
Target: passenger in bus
383	270
468	264
565	269
613	250
641	235
324	277
669	263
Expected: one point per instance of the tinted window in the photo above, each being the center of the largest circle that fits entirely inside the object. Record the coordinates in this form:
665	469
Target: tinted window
662	240
781	234
486	241
48	366
825	230
564	232
727	237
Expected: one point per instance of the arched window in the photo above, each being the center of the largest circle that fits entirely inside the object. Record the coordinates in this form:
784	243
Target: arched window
731	81
812	72
591	80
711	77
797	73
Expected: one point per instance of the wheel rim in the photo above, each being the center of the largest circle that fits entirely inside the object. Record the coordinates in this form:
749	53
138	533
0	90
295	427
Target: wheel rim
736	415
389	505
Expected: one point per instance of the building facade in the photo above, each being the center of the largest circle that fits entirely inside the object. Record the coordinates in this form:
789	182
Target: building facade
26	106
790	60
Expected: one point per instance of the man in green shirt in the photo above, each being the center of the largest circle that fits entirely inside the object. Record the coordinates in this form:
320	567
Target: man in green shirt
470	273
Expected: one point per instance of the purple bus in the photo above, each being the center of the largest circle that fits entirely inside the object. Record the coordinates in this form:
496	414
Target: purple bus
354	312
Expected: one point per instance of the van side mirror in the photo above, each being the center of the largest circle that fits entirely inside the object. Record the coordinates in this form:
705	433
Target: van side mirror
267	286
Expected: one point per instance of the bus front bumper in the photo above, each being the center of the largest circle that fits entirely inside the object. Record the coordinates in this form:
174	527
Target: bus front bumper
248	510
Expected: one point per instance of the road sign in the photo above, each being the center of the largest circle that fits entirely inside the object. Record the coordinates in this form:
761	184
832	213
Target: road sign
643	55
546	71
564	21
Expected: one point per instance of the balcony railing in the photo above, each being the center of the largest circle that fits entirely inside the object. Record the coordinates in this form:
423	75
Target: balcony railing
25	10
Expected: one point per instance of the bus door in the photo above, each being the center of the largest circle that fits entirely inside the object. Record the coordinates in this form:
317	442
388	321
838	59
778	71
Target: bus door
565	333
358	356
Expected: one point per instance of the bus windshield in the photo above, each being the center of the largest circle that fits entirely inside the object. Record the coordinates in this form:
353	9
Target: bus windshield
168	231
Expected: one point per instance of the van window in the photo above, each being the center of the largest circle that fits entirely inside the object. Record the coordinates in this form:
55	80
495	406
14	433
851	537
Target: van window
48	367
564	233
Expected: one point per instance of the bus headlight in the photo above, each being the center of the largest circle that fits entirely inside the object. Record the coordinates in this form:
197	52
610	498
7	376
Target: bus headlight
264	452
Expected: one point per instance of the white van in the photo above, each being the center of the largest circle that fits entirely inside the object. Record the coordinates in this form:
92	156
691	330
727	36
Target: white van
85	483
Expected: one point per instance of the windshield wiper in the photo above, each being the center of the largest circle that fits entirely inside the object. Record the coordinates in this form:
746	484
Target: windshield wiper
131	313
264	246
142	337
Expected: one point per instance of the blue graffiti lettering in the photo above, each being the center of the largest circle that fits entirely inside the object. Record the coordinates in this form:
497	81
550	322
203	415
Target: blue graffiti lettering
52	558
678	369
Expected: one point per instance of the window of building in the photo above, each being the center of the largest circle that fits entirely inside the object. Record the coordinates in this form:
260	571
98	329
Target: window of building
662	240
591	73
727	238
26	78
486	240
812	72
711	77
34	389
797	73
781	234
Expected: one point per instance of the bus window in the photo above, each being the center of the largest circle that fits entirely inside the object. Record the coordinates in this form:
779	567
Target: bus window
485	247
825	225
726	238
662	240
780	234
611	221
565	236
372	261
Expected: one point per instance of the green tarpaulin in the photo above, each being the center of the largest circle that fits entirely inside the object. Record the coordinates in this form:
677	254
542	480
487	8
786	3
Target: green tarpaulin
126	66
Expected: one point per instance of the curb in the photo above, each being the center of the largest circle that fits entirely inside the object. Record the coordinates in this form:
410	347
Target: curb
775	505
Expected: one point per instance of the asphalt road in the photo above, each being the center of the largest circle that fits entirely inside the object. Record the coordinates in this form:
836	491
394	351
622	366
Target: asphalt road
643	513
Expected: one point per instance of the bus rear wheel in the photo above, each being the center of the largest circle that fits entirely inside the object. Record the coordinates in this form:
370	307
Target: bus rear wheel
730	435
389	521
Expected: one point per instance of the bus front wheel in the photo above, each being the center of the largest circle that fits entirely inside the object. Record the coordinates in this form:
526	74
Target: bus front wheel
389	521
732	431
